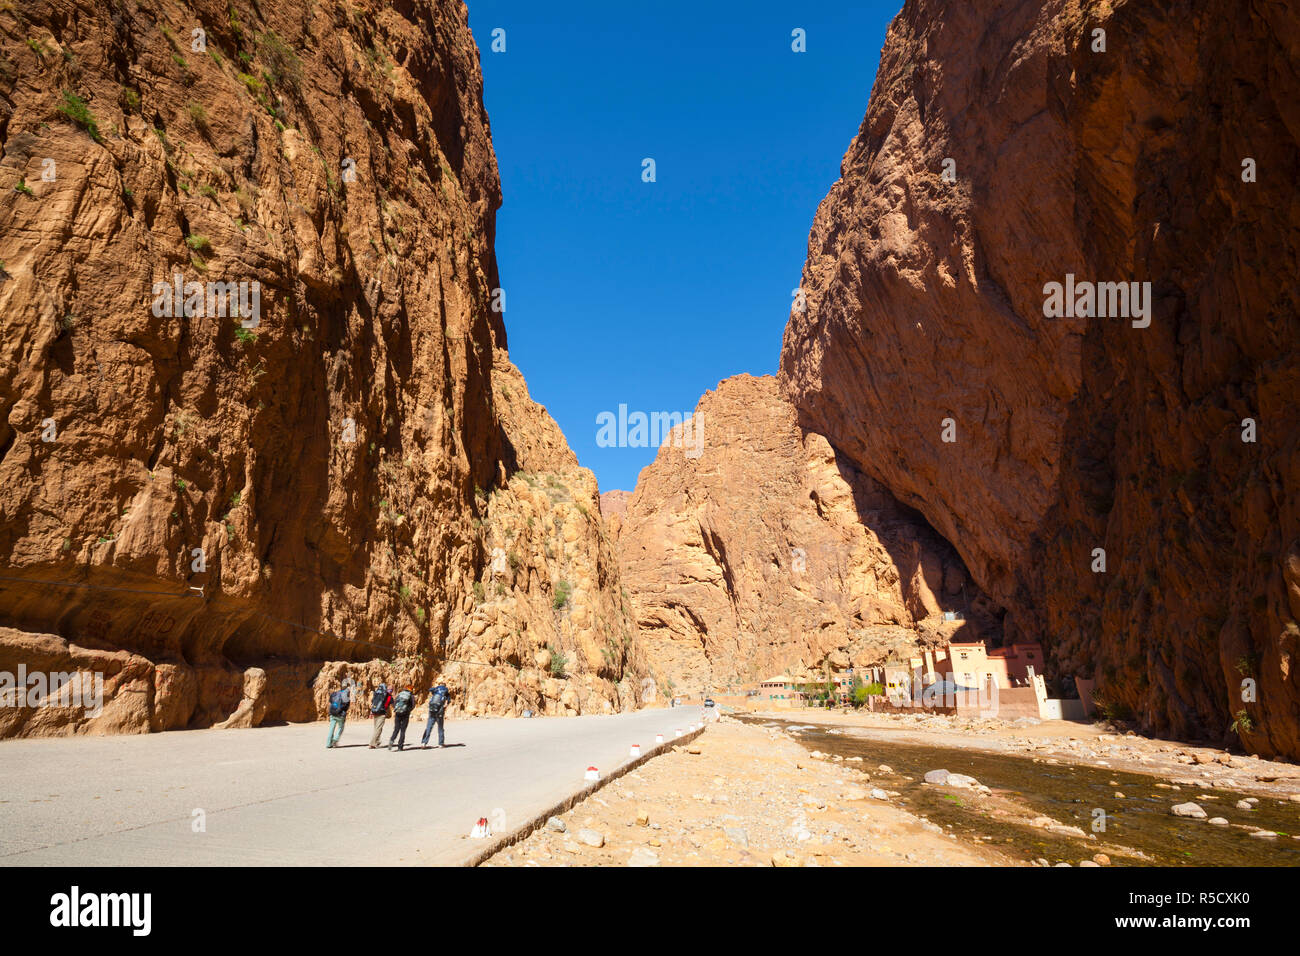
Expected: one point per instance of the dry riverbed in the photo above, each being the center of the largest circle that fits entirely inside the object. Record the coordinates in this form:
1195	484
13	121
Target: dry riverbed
742	795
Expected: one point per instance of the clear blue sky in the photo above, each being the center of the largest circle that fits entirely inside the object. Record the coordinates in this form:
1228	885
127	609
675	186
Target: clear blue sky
620	291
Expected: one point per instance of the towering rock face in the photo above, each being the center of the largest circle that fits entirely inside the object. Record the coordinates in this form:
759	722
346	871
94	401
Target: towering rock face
224	512
766	550
1107	142
613	506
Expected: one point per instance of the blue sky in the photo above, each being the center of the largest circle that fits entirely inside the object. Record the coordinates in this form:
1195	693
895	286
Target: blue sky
643	294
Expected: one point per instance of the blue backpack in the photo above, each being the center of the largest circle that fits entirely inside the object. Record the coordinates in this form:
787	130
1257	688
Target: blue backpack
339	703
438	699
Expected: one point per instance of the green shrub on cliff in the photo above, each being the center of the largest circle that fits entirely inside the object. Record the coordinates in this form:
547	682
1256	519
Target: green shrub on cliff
75	109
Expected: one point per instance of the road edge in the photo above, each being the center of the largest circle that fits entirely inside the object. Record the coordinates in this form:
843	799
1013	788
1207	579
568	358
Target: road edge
538	821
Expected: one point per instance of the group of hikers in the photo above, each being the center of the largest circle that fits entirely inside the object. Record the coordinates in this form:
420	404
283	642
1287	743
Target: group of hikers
384	702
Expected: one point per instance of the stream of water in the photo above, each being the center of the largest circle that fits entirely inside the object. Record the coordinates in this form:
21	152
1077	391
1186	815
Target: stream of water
1141	821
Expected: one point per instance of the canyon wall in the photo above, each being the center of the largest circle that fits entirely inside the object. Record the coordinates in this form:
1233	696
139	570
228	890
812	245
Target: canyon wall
1124	484
226	512
767	551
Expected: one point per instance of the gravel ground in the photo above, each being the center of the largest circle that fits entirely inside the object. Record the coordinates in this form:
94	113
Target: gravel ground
743	795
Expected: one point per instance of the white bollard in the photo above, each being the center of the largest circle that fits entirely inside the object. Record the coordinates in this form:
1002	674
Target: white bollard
659	738
592	774
481	829
677	732
636	751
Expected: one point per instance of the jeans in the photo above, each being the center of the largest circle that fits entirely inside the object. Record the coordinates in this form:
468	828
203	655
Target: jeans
336	729
428	727
399	730
377	736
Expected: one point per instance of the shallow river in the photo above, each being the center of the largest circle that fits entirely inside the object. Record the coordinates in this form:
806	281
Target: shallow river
1070	794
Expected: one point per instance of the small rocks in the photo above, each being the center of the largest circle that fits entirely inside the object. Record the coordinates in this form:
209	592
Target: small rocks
556	825
643	818
878	794
937	777
1218	821
592	838
642	856
1188	810
737	836
1244	805
1063	829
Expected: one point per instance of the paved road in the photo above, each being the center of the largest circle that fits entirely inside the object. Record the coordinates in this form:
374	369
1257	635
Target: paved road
275	795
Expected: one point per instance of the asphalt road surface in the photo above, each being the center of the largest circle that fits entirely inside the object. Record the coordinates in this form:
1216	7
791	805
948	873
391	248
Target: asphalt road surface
277	796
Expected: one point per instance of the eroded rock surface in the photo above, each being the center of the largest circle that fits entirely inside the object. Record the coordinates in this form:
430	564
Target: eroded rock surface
334	460
925	308
768	551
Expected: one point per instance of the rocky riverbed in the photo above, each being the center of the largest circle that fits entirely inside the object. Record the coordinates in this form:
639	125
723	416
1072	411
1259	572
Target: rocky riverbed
812	789
744	795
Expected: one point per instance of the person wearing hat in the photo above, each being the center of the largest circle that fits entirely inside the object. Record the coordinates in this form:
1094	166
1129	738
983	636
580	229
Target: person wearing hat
379	704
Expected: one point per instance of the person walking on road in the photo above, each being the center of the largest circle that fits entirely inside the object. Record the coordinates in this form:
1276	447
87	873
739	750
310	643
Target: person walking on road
340	701
403	704
379	704
438	697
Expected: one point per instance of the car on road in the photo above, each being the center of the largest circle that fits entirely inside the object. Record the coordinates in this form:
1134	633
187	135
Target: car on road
708	702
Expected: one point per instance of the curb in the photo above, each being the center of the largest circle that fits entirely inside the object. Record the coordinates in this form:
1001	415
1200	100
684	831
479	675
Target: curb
539	821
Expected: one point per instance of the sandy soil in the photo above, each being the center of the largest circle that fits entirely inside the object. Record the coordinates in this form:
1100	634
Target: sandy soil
741	795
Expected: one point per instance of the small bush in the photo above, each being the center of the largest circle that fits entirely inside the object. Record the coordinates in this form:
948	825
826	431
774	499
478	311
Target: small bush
286	68
563	590
75	109
559	663
1242	724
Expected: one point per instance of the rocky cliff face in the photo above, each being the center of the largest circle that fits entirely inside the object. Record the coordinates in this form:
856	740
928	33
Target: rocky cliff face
227	503
768	550
1017	143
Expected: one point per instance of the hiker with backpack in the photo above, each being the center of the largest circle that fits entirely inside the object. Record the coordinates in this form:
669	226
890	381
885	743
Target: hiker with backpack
340	701
380	701
438	697
403	704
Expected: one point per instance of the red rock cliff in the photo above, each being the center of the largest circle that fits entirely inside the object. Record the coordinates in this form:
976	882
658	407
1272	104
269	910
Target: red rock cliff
225	513
1164	150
